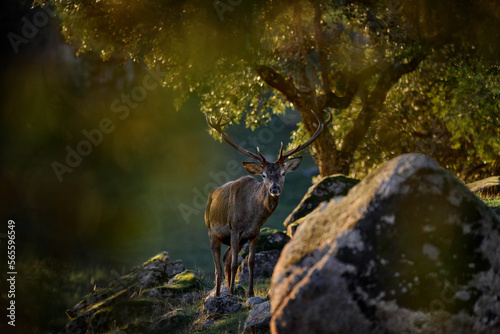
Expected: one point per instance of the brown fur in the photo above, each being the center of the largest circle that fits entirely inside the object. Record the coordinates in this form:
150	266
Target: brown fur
235	213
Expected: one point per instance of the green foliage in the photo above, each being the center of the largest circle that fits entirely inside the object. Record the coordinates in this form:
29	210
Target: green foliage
237	92
216	58
447	109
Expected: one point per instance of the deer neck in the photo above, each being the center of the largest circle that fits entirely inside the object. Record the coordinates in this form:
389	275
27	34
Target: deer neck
268	201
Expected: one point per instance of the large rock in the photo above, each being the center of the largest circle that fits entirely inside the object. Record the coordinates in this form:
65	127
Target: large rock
487	187
409	250
258	319
185	284
334	186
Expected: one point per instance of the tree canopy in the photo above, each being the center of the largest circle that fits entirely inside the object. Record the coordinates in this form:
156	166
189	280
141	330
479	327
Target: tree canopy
394	72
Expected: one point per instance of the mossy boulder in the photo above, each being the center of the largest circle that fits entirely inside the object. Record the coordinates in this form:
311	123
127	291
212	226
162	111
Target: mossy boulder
486	187
186	281
154	272
134	300
178	286
323	190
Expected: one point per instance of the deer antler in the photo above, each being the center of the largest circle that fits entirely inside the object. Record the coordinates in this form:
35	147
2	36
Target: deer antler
321	125
218	127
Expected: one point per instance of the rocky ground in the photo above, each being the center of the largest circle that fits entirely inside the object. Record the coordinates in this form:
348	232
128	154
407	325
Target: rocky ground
161	296
409	249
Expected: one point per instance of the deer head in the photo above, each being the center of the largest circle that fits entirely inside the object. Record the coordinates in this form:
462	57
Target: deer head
273	173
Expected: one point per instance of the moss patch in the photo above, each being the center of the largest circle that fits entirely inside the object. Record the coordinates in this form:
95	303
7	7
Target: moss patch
184	282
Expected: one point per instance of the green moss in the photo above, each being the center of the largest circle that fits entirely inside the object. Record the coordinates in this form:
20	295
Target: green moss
184	282
159	257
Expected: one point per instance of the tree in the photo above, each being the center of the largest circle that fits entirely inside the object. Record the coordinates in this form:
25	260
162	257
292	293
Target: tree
448	109
311	55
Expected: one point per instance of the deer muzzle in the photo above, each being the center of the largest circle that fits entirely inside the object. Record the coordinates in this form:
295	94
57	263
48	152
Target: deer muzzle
275	190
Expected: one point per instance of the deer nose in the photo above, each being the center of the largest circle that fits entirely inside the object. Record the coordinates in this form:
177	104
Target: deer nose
275	190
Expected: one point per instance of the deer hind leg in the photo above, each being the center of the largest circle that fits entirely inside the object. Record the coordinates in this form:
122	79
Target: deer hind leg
235	248
251	263
226	259
215	248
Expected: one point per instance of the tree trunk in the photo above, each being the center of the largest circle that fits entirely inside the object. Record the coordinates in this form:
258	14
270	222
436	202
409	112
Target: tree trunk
325	149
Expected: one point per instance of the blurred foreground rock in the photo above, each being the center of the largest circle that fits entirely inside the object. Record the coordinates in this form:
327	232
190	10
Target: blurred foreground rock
409	250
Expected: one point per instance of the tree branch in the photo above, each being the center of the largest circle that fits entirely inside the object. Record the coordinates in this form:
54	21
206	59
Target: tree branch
282	84
332	100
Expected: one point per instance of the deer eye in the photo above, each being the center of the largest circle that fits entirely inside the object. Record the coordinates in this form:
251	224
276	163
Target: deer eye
264	175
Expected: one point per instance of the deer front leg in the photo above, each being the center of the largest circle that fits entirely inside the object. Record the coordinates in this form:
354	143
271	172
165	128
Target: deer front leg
235	243
251	263
215	248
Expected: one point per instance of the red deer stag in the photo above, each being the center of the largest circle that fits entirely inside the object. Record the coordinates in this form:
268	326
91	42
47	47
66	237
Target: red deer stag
236	211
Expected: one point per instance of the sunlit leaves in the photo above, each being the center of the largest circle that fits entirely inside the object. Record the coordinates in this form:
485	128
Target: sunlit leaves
450	102
448	109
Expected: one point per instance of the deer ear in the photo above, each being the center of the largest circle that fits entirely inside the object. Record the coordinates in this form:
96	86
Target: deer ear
252	167
292	164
